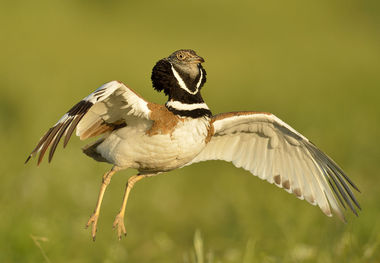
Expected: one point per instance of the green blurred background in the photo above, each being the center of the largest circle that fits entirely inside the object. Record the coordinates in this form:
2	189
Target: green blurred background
315	64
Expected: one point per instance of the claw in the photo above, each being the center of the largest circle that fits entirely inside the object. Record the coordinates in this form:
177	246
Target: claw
94	221
119	222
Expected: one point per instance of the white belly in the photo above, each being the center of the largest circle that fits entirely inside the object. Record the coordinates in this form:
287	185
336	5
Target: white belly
132	147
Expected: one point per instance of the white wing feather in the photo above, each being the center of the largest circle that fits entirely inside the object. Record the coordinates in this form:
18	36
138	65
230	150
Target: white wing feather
110	104
272	150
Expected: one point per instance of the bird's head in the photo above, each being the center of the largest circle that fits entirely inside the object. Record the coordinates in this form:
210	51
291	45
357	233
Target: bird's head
186	58
179	75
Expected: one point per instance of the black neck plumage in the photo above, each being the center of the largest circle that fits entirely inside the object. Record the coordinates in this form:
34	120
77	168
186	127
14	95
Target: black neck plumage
195	113
184	97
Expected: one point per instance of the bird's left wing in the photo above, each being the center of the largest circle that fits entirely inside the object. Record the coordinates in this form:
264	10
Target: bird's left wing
272	150
105	109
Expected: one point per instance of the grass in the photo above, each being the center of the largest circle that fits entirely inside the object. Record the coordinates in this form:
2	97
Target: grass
37	241
300	252
315	65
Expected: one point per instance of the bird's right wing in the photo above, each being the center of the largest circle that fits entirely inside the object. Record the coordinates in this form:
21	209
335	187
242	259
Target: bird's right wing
272	150
104	110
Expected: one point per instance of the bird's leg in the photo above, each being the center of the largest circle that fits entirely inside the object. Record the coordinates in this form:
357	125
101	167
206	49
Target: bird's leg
119	220
94	217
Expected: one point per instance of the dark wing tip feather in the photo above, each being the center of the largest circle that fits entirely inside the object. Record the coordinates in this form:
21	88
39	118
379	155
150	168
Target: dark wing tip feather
27	159
65	127
49	140
335	174
340	177
39	144
57	139
336	167
342	191
78	111
336	193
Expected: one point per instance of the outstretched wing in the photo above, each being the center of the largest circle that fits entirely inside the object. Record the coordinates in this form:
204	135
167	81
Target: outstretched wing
272	150
103	110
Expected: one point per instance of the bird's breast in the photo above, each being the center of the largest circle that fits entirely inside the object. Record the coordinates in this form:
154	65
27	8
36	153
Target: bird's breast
156	147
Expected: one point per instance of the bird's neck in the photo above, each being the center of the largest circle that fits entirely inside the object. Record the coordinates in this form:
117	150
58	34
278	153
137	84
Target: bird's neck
185	104
182	86
185	98
193	110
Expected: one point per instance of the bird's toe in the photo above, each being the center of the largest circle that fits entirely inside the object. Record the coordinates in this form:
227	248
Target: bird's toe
119	223
93	221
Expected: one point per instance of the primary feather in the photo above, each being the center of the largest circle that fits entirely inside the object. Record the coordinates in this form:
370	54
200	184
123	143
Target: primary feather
272	150
101	111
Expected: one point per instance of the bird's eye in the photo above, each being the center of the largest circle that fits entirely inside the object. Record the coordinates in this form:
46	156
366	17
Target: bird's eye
181	56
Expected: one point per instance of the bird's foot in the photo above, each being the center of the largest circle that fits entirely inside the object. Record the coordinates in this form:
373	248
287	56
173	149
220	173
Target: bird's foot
119	223
93	221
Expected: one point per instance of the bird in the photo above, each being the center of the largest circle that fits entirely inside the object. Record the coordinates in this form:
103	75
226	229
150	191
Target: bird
154	138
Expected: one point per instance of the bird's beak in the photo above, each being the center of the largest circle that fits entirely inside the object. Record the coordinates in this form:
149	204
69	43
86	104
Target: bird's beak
197	59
